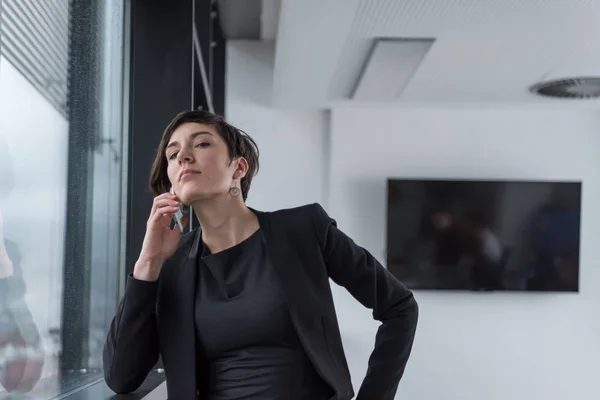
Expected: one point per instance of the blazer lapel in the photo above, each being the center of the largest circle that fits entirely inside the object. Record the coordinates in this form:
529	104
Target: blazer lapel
303	305
179	339
288	266
280	256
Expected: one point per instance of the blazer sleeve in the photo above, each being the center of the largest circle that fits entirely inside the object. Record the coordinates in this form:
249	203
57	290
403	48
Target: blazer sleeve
354	268
131	348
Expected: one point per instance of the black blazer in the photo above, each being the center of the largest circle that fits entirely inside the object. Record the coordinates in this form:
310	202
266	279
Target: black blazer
306	249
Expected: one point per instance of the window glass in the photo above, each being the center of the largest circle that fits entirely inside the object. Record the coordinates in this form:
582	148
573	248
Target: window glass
62	159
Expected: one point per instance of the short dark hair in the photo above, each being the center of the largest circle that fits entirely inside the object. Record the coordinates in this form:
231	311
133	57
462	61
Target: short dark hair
238	143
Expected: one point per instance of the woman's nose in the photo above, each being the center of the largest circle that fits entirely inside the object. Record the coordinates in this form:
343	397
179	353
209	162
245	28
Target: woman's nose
184	155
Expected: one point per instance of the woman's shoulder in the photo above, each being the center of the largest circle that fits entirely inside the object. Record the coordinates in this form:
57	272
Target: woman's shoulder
309	217
301	213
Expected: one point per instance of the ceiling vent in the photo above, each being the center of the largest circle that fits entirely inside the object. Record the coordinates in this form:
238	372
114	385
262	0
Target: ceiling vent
569	88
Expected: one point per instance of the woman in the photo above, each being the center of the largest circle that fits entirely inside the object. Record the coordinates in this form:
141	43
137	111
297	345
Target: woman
242	308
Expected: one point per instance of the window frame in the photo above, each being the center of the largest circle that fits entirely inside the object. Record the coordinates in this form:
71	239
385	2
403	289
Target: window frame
158	41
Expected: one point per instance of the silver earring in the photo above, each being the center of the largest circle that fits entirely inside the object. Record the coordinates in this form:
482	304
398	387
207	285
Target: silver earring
234	190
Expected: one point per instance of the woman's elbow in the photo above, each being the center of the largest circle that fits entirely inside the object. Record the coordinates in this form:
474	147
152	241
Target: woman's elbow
413	307
121	373
118	381
119	385
407	310
413	312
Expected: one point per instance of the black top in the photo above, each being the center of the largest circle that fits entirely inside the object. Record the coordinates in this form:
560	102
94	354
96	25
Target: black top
244	330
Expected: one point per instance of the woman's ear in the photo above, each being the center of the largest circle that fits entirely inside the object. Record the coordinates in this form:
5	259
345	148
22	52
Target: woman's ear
241	168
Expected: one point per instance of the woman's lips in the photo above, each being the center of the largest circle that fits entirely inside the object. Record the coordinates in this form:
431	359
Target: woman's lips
187	172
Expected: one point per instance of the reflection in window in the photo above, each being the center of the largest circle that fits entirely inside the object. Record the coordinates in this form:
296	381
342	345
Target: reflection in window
61	169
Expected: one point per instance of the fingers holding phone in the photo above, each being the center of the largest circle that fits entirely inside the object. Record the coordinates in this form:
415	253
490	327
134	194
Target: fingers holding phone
160	241
163	207
181	216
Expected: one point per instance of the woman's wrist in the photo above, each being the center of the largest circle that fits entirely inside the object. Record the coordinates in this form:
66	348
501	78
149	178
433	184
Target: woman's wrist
147	270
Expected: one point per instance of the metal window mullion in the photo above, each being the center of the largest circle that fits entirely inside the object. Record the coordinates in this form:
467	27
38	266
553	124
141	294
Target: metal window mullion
124	160
211	41
193	70
190	226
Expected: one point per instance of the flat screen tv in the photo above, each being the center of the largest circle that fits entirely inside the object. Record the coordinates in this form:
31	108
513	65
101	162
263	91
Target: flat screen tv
484	235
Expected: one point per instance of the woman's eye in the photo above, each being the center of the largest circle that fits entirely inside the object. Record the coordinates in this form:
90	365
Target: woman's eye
203	144
172	156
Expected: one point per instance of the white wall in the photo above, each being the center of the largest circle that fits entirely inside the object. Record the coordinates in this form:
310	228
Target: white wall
469	346
293	144
473	346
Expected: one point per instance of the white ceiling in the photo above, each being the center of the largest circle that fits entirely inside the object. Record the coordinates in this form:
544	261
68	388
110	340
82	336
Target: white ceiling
485	51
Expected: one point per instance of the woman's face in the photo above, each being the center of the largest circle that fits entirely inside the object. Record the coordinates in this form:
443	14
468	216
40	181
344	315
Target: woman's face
198	166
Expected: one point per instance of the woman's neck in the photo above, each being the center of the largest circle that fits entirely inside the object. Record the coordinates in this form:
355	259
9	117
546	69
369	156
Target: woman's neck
225	223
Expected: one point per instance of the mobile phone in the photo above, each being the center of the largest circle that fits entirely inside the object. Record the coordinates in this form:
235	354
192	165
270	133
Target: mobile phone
178	216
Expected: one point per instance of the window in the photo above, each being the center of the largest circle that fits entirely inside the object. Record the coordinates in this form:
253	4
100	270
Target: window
62	168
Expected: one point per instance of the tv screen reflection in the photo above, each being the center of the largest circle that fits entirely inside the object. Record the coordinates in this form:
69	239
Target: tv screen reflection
484	235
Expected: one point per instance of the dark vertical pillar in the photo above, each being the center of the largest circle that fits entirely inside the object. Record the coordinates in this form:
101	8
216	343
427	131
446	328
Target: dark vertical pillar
83	128
161	86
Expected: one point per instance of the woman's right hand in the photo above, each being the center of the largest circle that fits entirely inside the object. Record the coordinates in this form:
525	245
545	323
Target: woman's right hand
160	241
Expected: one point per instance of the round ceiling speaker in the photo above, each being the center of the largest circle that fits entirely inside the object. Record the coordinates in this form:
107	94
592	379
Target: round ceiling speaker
569	88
